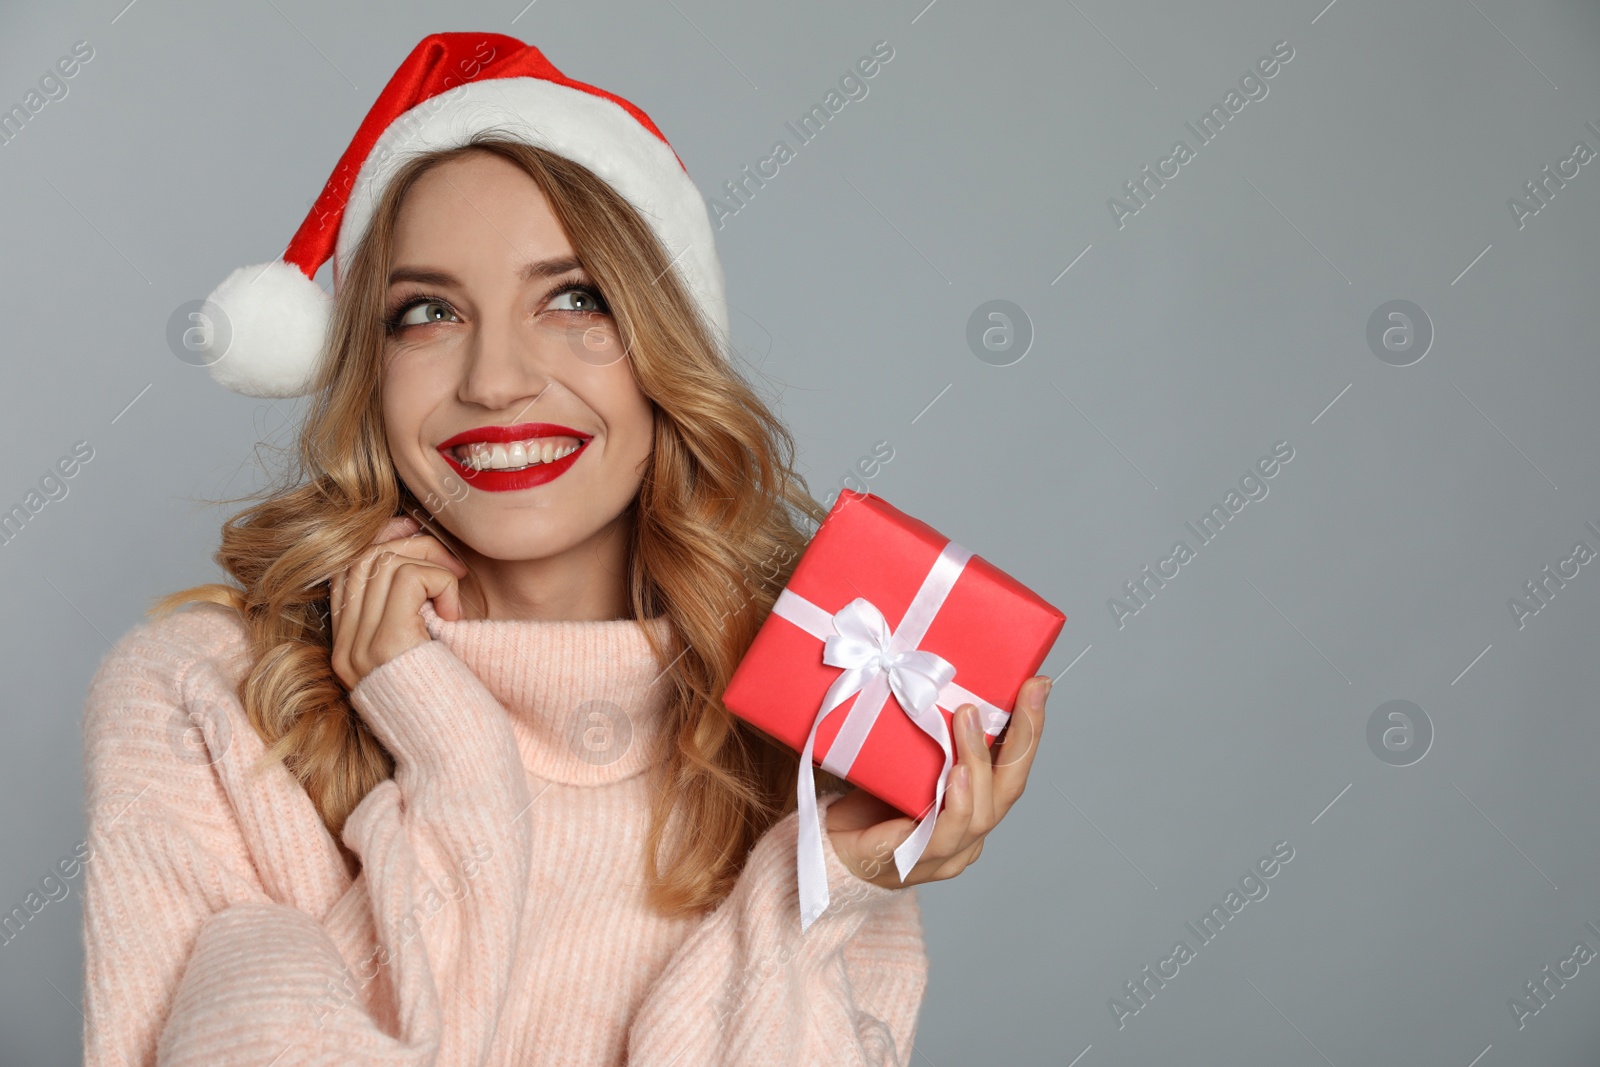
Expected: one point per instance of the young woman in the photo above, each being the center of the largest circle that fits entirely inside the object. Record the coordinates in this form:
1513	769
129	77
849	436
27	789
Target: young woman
444	777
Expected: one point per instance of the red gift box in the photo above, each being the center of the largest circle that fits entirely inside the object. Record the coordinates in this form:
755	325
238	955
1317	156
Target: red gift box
994	631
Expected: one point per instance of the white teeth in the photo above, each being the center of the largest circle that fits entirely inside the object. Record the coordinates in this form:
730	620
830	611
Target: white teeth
515	455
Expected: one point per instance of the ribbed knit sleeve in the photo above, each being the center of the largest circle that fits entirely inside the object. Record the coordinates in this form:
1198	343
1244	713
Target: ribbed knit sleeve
193	959
748	987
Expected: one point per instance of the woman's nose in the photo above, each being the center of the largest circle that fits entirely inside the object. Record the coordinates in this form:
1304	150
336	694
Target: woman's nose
505	363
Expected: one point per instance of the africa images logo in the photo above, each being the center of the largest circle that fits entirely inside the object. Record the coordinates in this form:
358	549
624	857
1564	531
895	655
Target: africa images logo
1252	86
1252	887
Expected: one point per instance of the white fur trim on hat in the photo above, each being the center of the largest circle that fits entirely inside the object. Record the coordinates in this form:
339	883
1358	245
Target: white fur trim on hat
269	326
581	126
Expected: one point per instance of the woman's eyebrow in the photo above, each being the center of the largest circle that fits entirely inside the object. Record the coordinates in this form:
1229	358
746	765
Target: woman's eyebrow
543	268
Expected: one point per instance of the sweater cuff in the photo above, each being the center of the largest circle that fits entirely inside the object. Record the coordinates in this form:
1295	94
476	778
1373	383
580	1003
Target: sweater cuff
429	710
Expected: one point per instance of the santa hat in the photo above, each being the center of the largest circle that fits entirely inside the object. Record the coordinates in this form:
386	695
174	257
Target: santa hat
451	86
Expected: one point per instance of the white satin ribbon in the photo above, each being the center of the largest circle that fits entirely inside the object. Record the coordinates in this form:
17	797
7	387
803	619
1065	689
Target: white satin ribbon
876	663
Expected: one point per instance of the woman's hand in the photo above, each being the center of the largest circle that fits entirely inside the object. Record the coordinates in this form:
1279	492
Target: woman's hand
983	785
376	600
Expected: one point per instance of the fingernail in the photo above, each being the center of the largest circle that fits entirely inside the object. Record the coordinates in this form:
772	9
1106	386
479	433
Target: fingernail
1040	692
972	726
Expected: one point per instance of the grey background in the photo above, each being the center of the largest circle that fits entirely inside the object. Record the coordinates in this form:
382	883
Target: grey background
1229	314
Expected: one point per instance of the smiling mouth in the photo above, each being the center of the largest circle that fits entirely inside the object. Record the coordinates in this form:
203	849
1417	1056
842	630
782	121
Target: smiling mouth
514	455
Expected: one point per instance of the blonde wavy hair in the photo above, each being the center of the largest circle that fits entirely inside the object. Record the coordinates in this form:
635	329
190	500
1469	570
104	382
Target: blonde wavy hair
718	523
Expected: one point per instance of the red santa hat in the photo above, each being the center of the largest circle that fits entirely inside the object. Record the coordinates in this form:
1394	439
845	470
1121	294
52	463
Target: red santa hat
451	86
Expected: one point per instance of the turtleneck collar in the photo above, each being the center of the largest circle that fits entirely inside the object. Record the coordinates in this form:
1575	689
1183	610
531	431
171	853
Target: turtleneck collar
586	697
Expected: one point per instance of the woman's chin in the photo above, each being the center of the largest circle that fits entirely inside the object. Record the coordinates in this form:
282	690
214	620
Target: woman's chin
491	539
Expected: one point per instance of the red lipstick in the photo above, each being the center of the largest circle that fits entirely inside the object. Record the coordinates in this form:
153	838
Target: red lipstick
498	481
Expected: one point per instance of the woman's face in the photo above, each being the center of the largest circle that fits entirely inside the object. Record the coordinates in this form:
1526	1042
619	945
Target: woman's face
511	412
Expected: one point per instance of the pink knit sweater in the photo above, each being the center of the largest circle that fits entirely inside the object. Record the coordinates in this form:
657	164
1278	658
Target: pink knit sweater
499	916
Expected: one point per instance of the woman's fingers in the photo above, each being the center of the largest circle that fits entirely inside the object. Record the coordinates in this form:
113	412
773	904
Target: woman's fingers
423	546
974	752
417	546
398	526
951	826
347	602
434	551
374	620
430	550
401	627
414	582
968	799
374	600
960	861
390	619
983	785
1014	756
448	602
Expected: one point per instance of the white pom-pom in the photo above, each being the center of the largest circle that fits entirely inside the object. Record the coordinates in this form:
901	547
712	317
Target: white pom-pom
269	325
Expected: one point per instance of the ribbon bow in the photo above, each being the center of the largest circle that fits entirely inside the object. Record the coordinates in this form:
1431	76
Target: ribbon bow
863	645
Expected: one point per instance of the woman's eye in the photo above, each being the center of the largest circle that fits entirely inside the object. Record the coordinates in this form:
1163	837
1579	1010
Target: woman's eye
425	311
583	300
